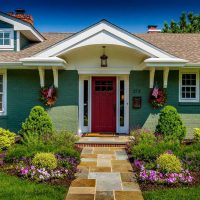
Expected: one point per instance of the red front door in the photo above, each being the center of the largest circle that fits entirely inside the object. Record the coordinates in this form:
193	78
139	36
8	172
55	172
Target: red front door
103	104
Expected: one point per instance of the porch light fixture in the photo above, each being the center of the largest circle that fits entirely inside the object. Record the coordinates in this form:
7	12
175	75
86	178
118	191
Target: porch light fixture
104	58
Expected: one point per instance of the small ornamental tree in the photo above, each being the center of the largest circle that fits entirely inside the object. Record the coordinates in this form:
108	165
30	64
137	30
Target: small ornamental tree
38	122
170	124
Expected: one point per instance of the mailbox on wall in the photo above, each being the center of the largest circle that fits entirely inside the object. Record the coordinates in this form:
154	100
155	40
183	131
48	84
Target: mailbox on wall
137	102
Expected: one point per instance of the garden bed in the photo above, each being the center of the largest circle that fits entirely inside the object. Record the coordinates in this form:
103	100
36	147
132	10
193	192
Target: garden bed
148	186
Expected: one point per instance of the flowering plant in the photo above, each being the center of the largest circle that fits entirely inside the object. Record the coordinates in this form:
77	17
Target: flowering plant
158	97
49	95
155	176
67	168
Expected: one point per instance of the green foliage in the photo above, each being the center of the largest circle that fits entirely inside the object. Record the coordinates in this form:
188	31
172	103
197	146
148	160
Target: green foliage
182	193
170	124
192	160
197	134
188	23
45	160
168	163
57	142
7	138
12	187
149	152
38	122
143	136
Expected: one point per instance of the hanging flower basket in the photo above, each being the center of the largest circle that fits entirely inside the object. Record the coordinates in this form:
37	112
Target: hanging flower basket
48	95
158	97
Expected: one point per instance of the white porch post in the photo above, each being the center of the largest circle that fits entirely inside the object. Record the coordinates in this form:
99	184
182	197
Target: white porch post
151	80
165	77
55	76
42	76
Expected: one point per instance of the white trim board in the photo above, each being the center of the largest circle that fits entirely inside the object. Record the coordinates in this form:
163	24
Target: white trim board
119	129
103	26
190	71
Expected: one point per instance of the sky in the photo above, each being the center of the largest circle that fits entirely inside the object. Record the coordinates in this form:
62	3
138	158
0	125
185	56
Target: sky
75	15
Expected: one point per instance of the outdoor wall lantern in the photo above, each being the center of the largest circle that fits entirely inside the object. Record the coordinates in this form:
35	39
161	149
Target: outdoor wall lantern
104	58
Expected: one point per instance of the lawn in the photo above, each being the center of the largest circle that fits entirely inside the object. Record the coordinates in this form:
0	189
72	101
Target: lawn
17	189
192	193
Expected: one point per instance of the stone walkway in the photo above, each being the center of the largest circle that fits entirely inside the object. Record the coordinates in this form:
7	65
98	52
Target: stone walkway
105	174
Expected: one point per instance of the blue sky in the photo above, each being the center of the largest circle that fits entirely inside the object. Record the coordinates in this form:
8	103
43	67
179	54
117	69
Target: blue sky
74	15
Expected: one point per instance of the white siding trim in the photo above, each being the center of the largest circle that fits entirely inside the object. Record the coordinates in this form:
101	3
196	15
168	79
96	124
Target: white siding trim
18	41
4	103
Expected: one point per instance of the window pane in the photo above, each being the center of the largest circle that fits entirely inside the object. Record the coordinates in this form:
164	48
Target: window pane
85	102
1	88
121	103
6	41
7	35
1	35
1	107
1	41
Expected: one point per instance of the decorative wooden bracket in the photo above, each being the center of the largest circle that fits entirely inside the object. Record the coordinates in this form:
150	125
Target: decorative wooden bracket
42	76
165	77
151	80
55	76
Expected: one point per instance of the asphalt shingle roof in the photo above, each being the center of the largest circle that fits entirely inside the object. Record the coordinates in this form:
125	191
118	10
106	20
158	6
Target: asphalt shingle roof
185	46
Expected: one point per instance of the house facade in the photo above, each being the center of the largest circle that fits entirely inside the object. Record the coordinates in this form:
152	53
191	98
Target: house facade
103	75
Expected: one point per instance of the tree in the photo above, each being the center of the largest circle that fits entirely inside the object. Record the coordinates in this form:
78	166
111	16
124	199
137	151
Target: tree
188	23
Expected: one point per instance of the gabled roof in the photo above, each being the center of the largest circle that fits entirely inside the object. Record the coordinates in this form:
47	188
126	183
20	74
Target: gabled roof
27	29
185	46
104	32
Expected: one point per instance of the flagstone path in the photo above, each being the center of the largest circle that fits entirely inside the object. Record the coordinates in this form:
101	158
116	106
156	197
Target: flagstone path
105	174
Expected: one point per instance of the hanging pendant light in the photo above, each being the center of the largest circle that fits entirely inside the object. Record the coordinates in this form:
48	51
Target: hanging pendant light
104	58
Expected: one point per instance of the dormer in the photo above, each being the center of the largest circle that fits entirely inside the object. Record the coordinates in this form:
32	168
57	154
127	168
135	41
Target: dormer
17	31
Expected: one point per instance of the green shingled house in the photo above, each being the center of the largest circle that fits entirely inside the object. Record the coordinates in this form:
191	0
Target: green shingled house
103	75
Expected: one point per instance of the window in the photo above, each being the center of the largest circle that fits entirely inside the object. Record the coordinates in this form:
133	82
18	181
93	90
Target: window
6	39
103	86
189	87
121	102
85	123
2	94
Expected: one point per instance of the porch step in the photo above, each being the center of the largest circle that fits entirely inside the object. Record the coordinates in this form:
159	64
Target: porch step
100	135
115	141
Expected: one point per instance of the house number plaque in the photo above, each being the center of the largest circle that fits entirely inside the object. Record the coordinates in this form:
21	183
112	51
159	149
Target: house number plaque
137	102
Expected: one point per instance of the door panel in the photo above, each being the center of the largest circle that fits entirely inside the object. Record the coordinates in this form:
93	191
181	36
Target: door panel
103	104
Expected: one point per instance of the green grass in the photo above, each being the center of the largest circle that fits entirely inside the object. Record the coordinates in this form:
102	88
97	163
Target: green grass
192	193
16	189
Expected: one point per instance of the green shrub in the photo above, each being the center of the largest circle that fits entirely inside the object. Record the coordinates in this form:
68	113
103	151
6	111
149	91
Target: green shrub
143	136
45	160
170	124
31	139
69	151
149	152
168	163
192	160
197	134
38	122
145	152
7	138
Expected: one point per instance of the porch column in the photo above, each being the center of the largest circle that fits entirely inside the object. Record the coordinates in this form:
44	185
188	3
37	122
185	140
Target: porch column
42	76
55	76
151	79
165	77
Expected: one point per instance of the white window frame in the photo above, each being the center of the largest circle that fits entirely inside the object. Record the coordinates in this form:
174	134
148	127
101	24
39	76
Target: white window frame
4	99
11	45
181	72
